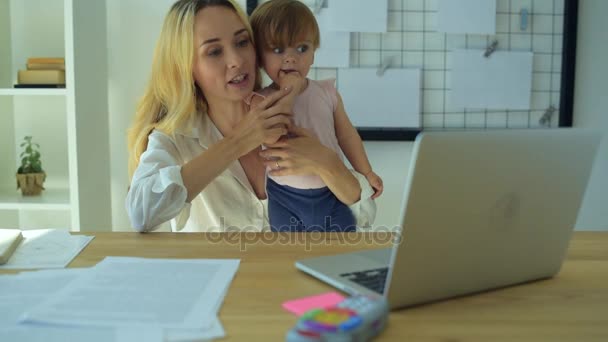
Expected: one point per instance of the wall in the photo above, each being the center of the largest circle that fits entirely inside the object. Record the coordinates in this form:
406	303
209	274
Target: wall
130	46
590	111
591	105
133	27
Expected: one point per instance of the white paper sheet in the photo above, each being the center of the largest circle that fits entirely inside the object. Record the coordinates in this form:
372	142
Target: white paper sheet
132	292
466	16
358	15
391	100
214	331
334	51
41	333
502	81
46	248
21	292
59	334
24	291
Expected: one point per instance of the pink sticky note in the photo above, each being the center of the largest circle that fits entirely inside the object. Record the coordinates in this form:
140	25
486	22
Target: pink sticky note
301	305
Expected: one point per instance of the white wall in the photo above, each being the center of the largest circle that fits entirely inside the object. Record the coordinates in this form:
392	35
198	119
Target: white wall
591	105
133	27
590	111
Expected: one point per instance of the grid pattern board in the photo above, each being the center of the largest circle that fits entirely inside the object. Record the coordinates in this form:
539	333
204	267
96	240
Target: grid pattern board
413	42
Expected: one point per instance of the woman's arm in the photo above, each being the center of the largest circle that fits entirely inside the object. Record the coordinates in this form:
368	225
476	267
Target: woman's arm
157	193
202	170
266	122
304	154
337	177
161	186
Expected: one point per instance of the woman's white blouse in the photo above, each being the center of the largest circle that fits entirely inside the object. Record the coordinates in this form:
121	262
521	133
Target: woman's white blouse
157	193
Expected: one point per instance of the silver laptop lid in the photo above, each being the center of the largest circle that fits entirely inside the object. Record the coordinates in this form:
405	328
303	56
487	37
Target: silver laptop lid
487	209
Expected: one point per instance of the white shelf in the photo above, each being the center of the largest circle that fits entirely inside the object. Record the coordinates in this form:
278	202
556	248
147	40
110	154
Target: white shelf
50	199
61	28
33	91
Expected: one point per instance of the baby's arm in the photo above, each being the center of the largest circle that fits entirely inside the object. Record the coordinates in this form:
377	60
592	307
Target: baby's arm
352	146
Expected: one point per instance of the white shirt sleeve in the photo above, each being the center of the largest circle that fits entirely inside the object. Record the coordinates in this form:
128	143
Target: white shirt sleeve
157	193
365	209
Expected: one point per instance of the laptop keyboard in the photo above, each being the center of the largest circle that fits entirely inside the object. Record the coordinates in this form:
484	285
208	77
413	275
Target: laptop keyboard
372	279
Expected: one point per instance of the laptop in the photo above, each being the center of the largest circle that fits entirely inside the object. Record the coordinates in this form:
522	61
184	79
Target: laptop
481	210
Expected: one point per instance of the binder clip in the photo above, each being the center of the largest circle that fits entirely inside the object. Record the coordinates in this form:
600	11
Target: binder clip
523	19
490	49
545	120
388	60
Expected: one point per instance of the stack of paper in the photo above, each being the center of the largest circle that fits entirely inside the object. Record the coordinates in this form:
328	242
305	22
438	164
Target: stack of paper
46	248
120	299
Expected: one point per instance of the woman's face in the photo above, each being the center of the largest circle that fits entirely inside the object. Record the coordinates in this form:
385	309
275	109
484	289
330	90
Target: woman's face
224	63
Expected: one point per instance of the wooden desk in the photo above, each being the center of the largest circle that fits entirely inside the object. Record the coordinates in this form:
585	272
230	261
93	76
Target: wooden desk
571	307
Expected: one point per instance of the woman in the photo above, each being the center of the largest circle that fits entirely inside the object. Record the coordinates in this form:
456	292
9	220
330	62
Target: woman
195	155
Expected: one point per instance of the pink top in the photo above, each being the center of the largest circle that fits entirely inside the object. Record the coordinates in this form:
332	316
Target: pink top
314	110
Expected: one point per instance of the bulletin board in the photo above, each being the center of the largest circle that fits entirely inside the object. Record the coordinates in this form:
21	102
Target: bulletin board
412	37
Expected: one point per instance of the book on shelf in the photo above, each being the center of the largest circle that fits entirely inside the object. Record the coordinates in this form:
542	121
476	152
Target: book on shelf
39	86
9	240
45	66
41	77
46	60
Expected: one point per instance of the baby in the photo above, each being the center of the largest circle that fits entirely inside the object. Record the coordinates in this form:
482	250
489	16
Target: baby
286	36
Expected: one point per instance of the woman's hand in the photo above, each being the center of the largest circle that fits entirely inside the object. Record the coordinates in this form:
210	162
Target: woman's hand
301	154
265	122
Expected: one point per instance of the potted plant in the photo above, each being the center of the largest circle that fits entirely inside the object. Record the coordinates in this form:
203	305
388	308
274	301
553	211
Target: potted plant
30	176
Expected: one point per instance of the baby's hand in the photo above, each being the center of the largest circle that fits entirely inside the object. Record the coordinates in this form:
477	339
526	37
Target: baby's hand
376	182
292	79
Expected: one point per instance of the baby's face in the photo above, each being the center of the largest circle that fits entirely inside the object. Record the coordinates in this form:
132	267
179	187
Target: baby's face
279	61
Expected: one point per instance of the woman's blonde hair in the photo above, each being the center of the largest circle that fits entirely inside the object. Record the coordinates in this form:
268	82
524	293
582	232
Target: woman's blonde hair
171	97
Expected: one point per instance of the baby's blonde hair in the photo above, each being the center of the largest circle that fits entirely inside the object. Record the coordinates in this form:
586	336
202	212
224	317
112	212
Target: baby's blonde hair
171	97
281	23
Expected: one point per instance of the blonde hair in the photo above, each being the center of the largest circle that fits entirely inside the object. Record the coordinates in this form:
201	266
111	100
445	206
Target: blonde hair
171	98
280	23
